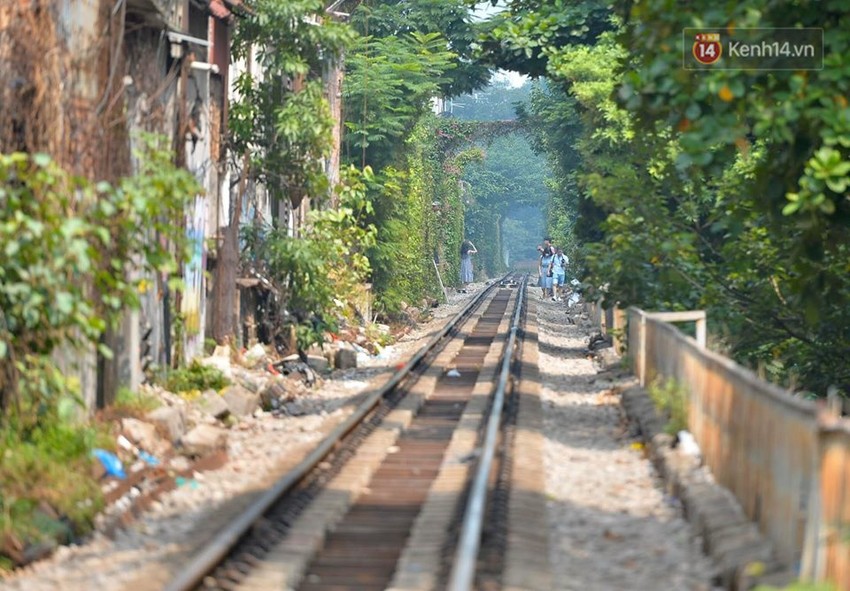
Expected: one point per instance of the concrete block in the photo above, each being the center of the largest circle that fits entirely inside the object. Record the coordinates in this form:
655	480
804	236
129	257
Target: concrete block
213	404
318	362
169	419
203	440
241	401
345	359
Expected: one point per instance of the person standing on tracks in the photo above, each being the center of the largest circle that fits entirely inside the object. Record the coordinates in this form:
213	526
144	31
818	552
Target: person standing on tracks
544	268
467	249
559	273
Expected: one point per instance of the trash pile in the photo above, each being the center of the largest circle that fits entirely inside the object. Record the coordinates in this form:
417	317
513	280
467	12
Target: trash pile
169	446
575	296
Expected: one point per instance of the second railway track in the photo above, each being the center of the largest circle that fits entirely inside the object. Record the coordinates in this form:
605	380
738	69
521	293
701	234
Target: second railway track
419	489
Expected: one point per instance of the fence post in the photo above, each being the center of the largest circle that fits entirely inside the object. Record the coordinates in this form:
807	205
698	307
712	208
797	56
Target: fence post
812	559
701	331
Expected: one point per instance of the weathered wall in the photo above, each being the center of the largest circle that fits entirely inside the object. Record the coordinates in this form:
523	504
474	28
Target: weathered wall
78	80
150	79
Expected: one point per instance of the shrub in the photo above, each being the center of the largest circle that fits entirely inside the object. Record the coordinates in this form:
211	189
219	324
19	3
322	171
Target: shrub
134	403
47	470
671	400
316	277
195	376
67	243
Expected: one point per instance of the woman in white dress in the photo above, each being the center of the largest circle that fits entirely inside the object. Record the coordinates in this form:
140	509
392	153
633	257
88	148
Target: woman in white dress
467	249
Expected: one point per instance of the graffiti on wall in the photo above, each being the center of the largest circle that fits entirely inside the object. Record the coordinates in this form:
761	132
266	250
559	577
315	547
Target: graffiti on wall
193	302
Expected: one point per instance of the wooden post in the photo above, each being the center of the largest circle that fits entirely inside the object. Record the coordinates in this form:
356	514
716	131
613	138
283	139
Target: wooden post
701	331
440	279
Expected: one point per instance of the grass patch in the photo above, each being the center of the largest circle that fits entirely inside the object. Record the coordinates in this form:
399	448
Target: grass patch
195	377
671	400
49	492
377	335
134	403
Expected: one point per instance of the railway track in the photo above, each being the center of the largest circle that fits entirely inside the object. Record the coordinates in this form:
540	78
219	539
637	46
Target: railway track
420	488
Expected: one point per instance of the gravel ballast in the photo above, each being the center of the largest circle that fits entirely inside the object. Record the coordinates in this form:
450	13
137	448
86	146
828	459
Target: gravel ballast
612	527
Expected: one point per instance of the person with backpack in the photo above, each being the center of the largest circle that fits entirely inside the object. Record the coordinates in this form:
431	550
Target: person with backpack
559	274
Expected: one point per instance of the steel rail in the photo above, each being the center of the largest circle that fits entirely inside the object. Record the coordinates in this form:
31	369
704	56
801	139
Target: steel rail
462	575
201	564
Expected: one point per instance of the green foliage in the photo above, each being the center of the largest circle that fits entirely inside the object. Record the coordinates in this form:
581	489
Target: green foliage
316	277
508	183
671	400
722	190
520	37
450	18
389	84
45	470
420	218
497	102
281	108
771	239
63	267
135	403
63	280
401	258
408	54
195	376
345	233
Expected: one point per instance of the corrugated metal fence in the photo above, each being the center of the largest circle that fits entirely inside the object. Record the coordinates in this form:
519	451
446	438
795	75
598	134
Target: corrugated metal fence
786	459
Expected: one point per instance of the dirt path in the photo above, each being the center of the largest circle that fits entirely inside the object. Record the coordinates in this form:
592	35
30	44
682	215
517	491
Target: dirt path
611	526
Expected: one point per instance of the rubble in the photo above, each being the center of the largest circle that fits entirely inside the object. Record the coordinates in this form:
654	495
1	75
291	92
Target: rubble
170	420
203	440
213	404
241	401
253	380
145	436
274	395
255	356
220	359
301	409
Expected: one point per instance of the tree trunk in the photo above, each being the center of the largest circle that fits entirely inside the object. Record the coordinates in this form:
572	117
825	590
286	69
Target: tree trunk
224	288
333	90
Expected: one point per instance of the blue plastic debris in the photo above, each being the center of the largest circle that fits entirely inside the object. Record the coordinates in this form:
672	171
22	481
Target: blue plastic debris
110	463
148	458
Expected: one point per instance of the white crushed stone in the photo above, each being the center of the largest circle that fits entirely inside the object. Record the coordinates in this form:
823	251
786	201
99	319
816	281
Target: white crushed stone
612	528
257	448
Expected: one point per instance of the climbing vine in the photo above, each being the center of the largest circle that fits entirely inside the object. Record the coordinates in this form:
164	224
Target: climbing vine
420	219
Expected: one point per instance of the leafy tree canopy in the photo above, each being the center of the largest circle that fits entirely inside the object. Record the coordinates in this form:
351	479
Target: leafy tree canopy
722	189
521	36
451	18
281	117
